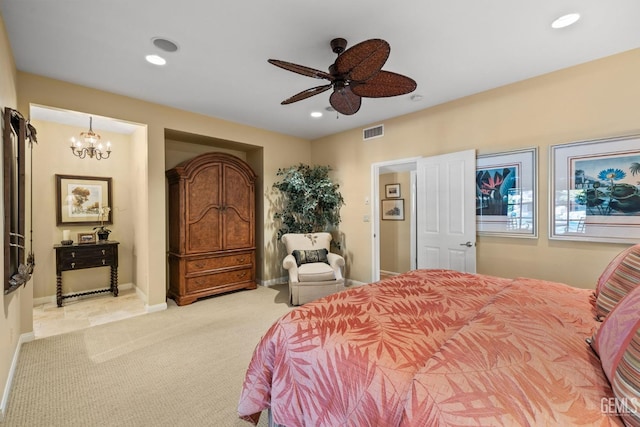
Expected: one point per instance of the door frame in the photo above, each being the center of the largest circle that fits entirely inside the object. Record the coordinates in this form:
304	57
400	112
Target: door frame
378	168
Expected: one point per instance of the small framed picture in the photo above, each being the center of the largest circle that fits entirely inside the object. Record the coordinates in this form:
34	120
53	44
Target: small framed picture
392	191
84	238
393	210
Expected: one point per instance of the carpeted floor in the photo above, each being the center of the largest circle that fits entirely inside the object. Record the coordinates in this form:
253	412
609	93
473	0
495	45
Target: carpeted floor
180	367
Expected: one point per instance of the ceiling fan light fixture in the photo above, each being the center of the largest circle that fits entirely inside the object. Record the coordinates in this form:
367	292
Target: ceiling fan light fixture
565	20
356	73
155	60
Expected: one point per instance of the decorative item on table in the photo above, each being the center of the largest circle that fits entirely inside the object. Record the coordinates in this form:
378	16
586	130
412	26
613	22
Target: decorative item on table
101	231
66	237
84	238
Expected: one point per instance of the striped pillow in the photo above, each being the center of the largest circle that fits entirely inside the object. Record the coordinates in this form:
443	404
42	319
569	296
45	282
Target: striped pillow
611	268
613	336
617	343
623	279
626	382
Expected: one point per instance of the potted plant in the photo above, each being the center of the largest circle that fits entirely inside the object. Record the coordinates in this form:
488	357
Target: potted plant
101	231
311	201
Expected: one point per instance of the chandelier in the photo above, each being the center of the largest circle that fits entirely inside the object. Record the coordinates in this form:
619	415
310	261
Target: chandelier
89	145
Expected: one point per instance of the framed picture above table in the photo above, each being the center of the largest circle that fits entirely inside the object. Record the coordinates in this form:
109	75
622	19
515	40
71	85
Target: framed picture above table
79	200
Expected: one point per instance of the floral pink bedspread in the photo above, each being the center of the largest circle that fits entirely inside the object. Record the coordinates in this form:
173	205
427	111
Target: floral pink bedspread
433	347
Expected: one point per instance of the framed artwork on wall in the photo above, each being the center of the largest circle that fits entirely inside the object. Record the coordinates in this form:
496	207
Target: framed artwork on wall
393	209
79	200
392	191
595	190
506	194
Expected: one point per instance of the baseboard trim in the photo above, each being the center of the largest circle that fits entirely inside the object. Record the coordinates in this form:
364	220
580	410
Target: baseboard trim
272	282
29	336
155	308
388	273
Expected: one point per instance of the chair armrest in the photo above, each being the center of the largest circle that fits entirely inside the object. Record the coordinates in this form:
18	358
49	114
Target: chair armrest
336	262
289	263
334	259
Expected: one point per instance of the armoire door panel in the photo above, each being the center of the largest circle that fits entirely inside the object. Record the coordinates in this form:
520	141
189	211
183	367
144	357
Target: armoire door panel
204	191
238	192
203	234
238	231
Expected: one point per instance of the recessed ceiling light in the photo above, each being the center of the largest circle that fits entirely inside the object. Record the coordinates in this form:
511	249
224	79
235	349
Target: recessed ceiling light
164	44
566	20
316	114
155	59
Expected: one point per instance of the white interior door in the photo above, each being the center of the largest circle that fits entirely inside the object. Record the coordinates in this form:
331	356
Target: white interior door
446	211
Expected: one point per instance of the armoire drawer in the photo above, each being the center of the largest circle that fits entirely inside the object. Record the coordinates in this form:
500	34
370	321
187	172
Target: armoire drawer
215	263
227	278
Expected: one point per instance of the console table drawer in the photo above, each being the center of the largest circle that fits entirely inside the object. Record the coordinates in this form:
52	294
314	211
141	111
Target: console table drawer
89	252
228	278
215	263
83	262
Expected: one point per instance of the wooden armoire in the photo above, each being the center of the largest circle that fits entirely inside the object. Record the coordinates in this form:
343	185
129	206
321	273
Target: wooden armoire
211	227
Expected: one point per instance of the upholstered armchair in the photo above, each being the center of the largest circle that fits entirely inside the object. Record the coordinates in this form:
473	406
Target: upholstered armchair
314	272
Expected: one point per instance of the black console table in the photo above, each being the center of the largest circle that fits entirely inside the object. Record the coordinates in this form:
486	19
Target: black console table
104	253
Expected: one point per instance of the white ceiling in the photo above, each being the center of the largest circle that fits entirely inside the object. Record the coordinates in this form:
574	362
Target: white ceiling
452	48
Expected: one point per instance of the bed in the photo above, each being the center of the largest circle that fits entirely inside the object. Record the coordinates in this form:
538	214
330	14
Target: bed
439	347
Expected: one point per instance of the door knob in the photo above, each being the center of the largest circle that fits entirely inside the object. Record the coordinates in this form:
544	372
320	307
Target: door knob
468	244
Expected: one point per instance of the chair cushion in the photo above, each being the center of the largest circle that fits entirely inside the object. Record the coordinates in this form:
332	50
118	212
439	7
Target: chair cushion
309	256
315	272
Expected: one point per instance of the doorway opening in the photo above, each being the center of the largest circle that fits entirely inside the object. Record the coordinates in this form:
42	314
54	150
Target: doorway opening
397	236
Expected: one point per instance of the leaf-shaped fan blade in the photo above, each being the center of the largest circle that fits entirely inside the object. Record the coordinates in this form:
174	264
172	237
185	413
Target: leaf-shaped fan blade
384	84
344	101
306	94
364	60
301	69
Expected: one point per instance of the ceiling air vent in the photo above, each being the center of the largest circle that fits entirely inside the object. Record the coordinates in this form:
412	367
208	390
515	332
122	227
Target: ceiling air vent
373	132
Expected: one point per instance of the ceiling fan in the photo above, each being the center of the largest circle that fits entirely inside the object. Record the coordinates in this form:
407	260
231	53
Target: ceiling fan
356	73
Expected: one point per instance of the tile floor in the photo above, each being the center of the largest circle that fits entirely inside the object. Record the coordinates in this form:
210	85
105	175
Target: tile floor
84	312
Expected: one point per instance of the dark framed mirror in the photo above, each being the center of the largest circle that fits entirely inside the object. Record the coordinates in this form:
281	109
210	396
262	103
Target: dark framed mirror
16	132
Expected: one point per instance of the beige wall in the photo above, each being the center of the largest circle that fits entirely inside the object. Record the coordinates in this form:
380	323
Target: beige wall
594	100
15	314
260	145
139	194
395	236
